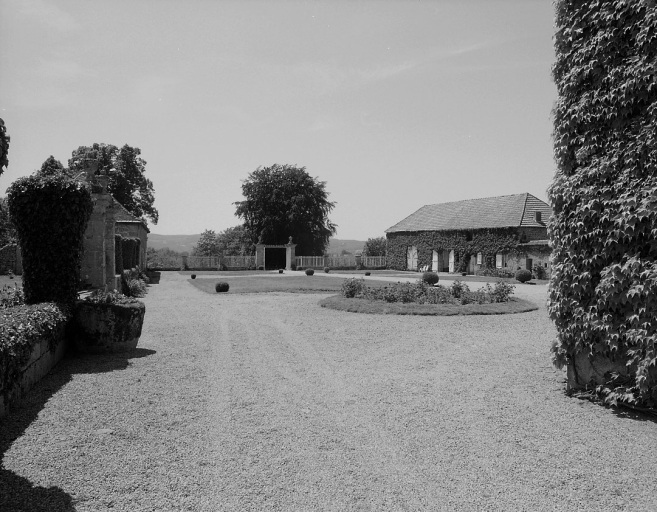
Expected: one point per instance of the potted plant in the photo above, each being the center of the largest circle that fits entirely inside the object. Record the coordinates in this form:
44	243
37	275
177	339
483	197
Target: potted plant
106	322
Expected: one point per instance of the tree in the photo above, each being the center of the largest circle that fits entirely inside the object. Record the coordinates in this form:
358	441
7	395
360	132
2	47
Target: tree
207	244
51	167
235	241
283	201
7	228
375	246
4	146
603	288
126	172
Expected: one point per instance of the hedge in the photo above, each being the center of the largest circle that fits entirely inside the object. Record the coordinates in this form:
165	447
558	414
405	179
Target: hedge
50	214
22	327
603	288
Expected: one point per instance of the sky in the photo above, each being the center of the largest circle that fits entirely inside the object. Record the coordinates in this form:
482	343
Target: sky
393	104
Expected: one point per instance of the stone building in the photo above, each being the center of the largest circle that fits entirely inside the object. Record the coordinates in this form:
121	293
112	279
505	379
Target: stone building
505	232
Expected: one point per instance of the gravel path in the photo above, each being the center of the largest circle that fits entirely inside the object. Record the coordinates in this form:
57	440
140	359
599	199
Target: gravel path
269	402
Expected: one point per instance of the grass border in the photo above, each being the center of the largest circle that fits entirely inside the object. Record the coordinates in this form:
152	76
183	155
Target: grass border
339	303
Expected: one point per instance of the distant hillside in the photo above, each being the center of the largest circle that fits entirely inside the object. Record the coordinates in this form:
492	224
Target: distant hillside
185	243
178	243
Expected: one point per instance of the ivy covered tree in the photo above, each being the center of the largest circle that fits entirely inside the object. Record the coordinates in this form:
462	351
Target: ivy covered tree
207	244
235	241
283	201
375	246
603	290
125	170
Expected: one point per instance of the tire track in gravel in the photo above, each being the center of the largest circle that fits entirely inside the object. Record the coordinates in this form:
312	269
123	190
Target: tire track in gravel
289	411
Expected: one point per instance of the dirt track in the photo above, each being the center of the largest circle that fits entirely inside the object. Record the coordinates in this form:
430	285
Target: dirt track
268	402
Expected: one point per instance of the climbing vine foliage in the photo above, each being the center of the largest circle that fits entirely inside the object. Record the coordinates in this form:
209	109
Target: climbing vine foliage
50	213
603	290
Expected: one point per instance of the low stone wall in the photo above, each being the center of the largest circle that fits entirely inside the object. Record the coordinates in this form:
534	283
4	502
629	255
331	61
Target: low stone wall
42	360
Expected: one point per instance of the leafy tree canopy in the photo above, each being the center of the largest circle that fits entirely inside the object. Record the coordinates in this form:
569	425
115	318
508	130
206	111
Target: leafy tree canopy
207	244
235	241
283	201
126	172
7	228
51	167
375	246
4	146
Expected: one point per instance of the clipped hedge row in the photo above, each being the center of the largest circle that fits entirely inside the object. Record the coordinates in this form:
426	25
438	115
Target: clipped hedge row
50	213
21	327
603	288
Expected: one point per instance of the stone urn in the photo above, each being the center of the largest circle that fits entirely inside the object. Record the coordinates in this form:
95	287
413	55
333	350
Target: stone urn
98	328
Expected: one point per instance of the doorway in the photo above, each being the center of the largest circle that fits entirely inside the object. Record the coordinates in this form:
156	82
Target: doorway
274	258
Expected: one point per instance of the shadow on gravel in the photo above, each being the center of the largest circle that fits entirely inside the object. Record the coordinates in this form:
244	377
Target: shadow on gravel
18	494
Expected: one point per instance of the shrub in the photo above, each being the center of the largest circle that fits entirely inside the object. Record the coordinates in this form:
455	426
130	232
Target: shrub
21	327
293	266
494	272
523	275
221	287
111	297
193	276
458	288
11	296
261	267
50	214
136	287
327	269
280	270
353	287
368	273
539	272
309	271
430	278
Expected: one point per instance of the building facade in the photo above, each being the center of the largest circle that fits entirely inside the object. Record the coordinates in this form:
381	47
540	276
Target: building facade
505	232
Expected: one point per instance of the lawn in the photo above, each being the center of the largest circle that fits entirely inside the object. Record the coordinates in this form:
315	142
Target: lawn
264	283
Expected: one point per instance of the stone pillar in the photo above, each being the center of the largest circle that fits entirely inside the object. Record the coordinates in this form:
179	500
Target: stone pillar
97	267
290	254
260	256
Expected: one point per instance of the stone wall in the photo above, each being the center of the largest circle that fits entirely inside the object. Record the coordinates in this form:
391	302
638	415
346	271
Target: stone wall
42	360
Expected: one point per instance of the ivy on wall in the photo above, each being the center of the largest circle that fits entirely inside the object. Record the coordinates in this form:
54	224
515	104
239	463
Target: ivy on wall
603	289
465	244
50	214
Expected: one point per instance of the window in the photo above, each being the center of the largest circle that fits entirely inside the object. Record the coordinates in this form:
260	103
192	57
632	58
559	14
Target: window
479	258
500	260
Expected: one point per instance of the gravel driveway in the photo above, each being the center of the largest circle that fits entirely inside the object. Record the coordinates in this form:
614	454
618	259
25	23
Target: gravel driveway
269	402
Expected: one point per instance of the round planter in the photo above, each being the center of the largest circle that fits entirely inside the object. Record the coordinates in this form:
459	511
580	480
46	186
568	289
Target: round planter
103	328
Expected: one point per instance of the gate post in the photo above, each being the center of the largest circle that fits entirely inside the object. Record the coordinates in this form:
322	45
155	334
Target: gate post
290	254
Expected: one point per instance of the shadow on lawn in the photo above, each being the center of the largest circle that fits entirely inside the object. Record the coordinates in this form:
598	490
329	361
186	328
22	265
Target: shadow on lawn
18	494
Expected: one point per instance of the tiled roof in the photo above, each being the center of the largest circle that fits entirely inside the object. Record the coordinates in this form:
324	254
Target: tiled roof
121	214
490	212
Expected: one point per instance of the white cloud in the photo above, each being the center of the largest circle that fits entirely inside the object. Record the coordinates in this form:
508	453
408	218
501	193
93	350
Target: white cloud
48	14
